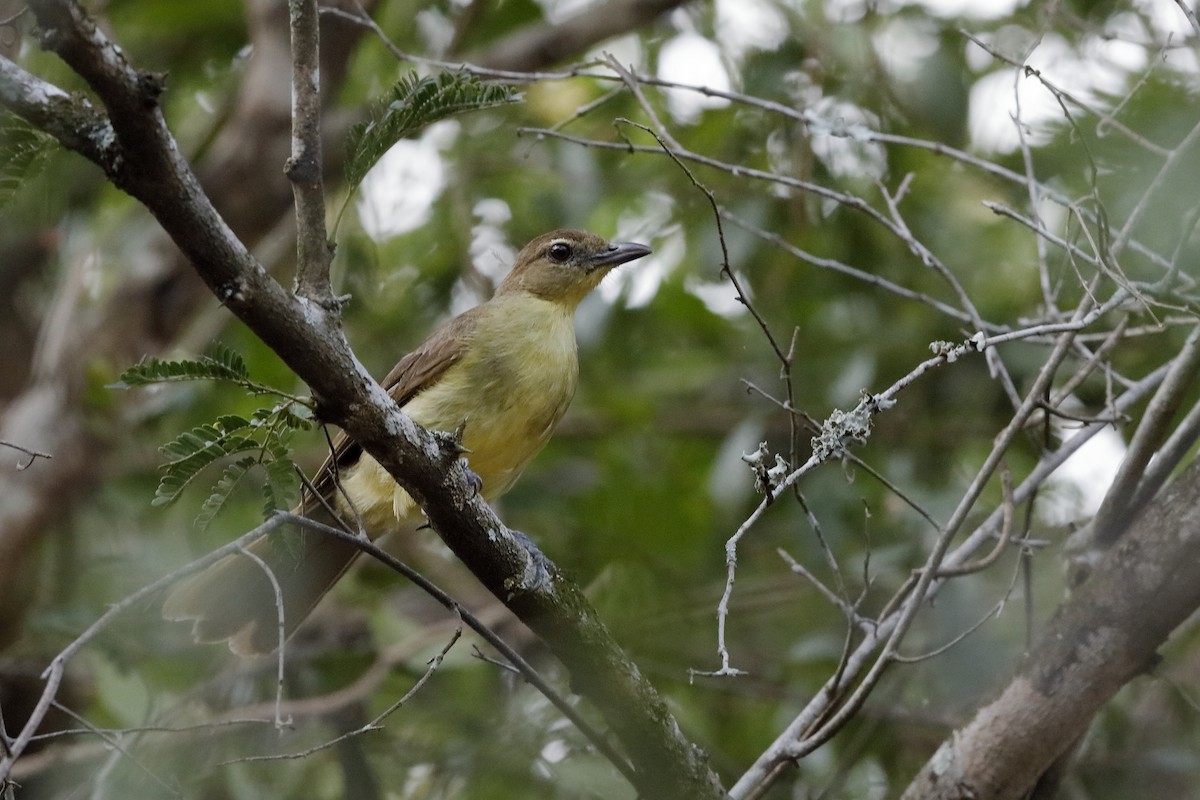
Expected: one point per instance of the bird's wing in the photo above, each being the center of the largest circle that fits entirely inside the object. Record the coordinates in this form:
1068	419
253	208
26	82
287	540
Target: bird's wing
412	374
424	366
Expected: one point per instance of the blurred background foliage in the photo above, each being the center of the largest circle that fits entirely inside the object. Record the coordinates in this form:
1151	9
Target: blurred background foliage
639	490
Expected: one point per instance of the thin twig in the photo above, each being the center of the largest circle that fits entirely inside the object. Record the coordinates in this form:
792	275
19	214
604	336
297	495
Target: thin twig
993	612
112	739
908	610
280	723
833	265
1170	166
1061	95
376	723
838	602
1007	509
1190	14
34	455
1099	356
931	261
797	740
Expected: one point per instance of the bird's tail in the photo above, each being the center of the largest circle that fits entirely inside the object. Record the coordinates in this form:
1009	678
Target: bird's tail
235	600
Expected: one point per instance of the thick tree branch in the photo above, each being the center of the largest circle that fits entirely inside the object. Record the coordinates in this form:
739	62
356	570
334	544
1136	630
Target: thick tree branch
70	120
1103	637
151	169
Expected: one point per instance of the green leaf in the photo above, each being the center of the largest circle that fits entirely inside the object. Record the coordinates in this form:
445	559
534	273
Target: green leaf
412	104
190	453
296	416
222	364
266	432
281	488
231	422
228	367
24	151
229	360
223	489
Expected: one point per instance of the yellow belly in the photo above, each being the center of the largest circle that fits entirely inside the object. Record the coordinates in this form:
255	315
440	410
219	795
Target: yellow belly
507	393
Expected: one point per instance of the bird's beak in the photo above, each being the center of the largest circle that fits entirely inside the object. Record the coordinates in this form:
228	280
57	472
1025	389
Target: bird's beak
619	253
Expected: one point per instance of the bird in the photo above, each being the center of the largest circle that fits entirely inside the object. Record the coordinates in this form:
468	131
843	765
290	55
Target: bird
499	377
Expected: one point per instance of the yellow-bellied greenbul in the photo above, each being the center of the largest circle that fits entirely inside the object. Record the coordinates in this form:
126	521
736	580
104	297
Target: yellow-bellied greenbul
502	374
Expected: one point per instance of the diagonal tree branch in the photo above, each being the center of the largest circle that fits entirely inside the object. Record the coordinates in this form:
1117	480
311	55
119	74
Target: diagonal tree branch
151	306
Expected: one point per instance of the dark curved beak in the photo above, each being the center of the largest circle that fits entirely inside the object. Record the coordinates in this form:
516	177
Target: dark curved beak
620	253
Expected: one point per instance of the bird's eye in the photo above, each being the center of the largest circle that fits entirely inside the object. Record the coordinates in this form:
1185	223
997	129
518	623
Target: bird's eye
559	251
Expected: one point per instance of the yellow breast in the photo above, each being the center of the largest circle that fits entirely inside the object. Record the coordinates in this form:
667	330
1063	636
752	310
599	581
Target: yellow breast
507	393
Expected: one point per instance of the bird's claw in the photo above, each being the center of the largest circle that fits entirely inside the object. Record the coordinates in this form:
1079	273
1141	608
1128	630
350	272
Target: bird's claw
473	479
539	570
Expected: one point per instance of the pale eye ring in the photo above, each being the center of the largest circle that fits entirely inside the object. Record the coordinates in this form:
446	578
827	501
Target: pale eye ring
559	252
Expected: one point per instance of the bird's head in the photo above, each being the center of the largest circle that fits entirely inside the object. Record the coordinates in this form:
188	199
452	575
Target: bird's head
564	265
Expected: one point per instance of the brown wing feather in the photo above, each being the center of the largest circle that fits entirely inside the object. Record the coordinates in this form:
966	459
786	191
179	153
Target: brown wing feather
417	370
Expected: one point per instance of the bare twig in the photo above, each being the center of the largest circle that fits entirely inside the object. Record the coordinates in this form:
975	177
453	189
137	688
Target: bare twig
1063	96
1094	360
1190	14
992	613
113	740
1169	166
834	265
280	723
931	261
34	455
840	603
376	723
908	610
798	739
1007	509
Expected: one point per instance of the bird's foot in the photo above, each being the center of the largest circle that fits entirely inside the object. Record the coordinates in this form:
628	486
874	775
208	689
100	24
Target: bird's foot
539	570
473	479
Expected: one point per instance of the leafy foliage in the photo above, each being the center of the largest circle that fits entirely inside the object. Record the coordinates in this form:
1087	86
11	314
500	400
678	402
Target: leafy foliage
23	153
264	435
223	490
412	104
223	364
192	451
